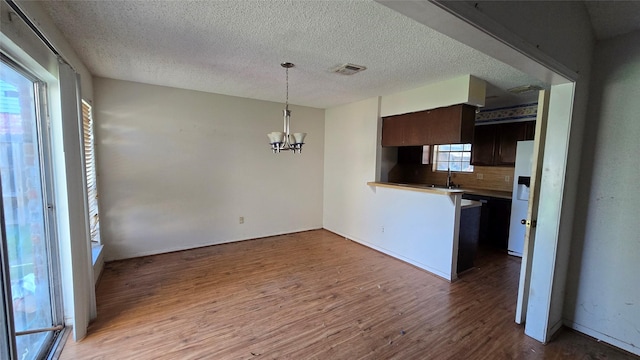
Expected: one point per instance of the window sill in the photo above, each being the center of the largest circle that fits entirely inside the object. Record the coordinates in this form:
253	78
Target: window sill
96	251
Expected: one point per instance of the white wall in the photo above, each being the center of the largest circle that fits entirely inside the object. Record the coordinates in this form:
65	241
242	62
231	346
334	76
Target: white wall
178	168
351	142
464	89
603	294
414	223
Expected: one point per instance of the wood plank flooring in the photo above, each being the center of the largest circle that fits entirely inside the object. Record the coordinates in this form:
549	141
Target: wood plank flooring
311	295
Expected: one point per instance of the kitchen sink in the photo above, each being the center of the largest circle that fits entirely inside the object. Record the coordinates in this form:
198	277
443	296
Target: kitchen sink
445	186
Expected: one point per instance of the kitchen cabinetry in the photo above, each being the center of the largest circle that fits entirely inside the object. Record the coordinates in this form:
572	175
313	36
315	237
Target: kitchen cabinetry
495	145
468	237
447	125
413	155
499	219
483	147
494	220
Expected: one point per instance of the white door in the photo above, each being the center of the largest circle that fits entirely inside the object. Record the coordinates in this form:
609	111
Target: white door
532	211
31	280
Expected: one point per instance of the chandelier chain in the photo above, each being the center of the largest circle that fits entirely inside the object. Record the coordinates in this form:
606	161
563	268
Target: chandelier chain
285	140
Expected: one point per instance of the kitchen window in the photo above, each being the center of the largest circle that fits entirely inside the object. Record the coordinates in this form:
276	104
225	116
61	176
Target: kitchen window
456	157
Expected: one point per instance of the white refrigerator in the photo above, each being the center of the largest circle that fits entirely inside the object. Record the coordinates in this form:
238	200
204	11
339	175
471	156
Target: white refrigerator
520	196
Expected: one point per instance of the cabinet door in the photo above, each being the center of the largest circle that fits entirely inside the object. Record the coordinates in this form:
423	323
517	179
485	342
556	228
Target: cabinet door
416	129
444	125
530	130
508	137
392	130
482	151
499	219
467	124
449	125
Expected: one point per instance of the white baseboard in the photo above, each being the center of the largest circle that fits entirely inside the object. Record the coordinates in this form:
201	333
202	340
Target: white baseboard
429	269
603	337
196	246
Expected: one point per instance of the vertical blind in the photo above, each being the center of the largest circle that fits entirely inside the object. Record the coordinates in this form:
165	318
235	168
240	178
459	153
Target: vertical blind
90	164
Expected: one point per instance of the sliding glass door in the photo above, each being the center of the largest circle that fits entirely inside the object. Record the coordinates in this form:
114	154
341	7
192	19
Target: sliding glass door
29	256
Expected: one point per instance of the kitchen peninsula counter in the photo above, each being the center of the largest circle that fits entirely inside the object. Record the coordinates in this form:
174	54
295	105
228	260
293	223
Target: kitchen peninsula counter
421	225
444	191
417	187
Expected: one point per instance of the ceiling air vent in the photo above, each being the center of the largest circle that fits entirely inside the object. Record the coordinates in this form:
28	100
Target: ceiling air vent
524	89
349	69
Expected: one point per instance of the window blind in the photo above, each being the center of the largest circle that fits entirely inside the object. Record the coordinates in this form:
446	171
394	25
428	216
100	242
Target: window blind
90	168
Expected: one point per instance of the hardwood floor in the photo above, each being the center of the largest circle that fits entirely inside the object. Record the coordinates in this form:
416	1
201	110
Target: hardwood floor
311	295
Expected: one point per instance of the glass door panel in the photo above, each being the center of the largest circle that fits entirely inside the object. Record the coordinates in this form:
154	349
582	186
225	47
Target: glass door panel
27	240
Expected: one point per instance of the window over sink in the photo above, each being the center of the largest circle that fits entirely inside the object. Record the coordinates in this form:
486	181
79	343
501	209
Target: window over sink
456	157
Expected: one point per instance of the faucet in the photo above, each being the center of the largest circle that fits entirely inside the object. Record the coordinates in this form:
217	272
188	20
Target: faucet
449	182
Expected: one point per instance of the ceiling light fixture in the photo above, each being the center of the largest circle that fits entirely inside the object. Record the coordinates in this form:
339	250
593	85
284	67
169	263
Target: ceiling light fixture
285	140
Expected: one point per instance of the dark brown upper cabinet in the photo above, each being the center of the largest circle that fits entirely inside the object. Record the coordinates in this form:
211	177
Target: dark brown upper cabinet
495	145
483	147
447	125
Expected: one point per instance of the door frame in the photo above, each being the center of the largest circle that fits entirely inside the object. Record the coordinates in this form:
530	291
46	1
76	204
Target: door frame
469	25
532	208
7	332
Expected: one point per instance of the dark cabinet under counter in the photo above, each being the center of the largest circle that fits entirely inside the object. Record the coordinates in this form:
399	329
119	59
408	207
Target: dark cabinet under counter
468	237
494	220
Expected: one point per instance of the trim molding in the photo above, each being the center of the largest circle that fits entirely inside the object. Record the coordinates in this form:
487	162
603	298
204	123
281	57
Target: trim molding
602	337
420	266
487	25
524	112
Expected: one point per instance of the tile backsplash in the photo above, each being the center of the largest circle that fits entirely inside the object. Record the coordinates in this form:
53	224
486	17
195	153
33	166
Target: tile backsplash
483	177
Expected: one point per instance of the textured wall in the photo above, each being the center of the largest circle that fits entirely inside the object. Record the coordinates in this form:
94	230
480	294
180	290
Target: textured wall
603	294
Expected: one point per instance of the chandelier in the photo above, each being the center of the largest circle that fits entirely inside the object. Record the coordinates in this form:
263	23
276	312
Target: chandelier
281	141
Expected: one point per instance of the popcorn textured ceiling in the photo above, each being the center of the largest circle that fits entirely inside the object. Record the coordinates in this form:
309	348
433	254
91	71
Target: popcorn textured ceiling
236	47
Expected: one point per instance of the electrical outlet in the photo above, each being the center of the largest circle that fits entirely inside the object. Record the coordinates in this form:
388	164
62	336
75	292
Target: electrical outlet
479	176
382	229
241	220
507	178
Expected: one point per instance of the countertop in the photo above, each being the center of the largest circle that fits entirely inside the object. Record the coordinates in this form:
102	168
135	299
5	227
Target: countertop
491	193
417	187
444	191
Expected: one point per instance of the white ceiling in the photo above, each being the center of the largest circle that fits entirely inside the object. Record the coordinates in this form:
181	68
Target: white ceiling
236	47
